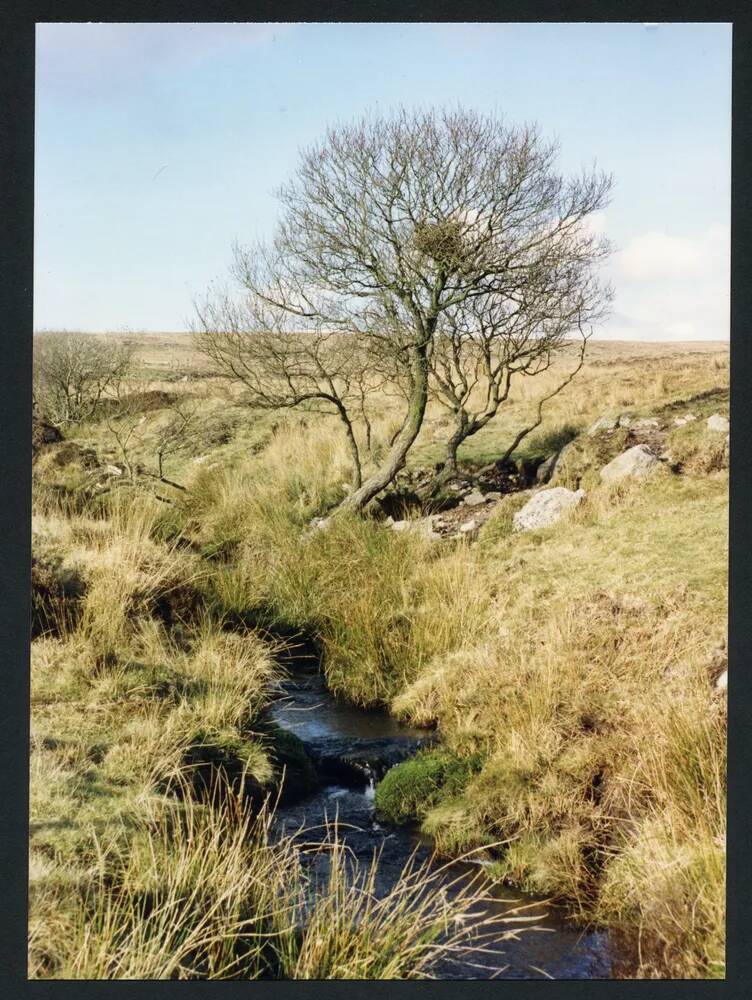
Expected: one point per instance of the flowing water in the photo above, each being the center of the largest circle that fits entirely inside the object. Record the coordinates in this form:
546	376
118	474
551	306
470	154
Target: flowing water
352	749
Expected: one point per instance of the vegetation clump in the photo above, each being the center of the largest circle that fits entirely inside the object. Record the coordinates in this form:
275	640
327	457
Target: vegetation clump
566	669
409	790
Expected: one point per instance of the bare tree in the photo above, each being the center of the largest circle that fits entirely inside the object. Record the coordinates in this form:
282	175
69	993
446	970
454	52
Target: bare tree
74	373
148	447
390	223
278	365
485	343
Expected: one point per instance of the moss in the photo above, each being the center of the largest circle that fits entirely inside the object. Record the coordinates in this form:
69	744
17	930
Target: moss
409	790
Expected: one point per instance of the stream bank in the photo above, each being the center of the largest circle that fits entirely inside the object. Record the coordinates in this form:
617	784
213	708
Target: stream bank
351	750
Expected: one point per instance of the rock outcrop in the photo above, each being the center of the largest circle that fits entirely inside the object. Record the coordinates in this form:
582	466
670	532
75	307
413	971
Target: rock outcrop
604	424
546	507
635	462
546	470
718	423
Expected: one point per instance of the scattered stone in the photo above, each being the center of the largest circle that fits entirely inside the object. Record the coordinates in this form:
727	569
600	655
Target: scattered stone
604	424
492	496
318	523
637	461
718	423
421	526
468	526
645	424
722	683
474	499
112	470
546	507
686	419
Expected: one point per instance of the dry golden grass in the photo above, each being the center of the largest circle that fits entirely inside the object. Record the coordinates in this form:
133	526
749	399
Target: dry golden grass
573	660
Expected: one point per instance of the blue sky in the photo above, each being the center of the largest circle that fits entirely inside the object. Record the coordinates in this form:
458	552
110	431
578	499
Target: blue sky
158	145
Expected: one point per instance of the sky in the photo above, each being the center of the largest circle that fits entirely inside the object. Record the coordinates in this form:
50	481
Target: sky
159	145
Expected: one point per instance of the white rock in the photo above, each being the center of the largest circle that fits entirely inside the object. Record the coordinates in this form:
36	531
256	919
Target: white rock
546	507
492	496
113	470
604	424
624	420
686	419
421	526
718	423
637	461
645	424
722	683
471	525
474	499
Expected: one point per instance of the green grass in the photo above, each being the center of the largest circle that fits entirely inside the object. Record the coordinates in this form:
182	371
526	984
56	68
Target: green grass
408	791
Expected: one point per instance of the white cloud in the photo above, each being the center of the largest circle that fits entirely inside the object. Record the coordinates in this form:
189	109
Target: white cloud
658	255
595	223
672	288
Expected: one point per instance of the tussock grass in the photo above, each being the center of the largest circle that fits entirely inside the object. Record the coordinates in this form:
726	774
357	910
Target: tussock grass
571	663
207	892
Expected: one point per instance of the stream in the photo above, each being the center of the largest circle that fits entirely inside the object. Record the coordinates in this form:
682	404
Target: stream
352	749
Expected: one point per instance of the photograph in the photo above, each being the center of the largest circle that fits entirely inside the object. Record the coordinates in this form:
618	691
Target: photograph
380	501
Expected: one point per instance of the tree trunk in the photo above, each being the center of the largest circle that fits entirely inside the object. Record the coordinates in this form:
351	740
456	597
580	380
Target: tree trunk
462	430
395	460
352	445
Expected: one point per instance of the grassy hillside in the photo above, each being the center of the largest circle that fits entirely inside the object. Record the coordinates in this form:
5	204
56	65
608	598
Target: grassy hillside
569	670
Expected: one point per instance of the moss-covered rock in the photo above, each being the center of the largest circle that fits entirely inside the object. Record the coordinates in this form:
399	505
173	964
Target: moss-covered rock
408	790
293	766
